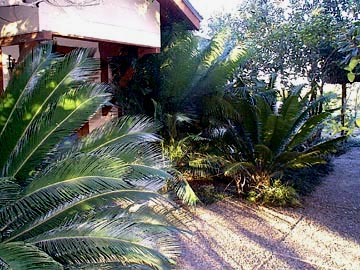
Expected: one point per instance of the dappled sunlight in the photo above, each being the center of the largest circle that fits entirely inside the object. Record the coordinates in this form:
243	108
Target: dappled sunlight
142	8
321	246
18	27
157	17
69	104
236	235
9	101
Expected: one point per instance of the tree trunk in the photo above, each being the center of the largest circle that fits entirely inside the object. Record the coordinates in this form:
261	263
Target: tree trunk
321	90
343	106
356	103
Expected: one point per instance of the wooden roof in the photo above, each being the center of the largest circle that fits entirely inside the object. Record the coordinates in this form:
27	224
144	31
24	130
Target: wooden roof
180	11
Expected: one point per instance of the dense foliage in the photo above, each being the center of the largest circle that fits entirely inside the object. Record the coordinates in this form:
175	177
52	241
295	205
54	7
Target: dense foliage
85	203
221	124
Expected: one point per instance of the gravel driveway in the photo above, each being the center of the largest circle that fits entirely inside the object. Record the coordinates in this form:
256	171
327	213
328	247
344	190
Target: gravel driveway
323	235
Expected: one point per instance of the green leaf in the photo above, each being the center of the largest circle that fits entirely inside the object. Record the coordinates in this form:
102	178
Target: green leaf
357	122
62	76
9	191
353	63
351	77
70	112
24	256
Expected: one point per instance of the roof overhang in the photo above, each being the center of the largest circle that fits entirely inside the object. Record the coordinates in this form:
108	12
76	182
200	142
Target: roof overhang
180	11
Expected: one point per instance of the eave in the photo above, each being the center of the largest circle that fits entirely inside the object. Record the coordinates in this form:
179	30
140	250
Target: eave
180	11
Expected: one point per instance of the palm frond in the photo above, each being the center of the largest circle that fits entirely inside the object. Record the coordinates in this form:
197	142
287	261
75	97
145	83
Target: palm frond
58	80
184	191
9	191
213	51
51	213
118	134
97	249
20	86
135	230
86	165
70	112
308	129
24	256
237	168
219	74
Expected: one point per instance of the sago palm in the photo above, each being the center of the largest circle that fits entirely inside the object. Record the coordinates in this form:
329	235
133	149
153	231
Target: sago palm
266	142
89	204
186	79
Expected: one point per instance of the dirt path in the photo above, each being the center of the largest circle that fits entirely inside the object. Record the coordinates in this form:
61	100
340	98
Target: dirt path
323	235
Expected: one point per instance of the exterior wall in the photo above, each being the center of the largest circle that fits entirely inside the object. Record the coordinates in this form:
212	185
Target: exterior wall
6	51
18	20
134	22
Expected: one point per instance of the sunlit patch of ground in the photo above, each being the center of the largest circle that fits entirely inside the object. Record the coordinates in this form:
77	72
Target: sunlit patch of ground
325	234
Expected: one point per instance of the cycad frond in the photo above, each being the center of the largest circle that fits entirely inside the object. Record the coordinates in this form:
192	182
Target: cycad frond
116	135
32	258
20	87
9	191
93	250
307	129
60	78
52	213
70	112
117	166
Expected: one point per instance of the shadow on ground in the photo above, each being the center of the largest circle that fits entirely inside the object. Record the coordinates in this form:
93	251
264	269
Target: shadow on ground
323	235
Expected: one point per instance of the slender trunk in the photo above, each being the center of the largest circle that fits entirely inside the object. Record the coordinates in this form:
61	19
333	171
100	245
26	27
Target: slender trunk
321	90
314	87
343	106
238	185
356	103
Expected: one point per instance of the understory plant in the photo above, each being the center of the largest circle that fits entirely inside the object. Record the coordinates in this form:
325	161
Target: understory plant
90	203
186	80
256	150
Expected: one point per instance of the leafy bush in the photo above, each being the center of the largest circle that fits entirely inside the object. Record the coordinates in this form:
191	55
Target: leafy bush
93	204
209	194
277	194
265	143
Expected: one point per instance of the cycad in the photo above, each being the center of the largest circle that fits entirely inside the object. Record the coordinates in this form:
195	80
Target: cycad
93	204
186	79
265	143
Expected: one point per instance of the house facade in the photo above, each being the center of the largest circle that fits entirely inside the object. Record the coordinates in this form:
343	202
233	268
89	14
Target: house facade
110	26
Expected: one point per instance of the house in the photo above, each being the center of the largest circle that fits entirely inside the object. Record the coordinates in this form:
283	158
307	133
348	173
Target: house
110	26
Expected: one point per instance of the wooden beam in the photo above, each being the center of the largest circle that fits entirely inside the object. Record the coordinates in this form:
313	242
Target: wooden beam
107	50
145	51
26	38
25	48
189	13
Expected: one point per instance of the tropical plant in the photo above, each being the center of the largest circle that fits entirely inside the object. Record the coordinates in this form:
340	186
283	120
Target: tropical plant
181	81
349	45
278	194
256	151
90	204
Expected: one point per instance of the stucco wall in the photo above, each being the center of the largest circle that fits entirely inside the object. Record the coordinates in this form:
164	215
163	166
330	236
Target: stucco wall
125	21
18	20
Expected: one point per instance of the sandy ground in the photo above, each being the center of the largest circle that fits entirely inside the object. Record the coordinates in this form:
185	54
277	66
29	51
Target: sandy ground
324	234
